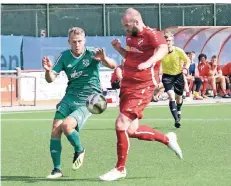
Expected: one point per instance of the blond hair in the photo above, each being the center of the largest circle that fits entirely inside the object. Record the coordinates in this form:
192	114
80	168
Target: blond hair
76	31
168	34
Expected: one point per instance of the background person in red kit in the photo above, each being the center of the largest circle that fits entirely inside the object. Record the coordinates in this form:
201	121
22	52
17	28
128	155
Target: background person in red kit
117	76
144	48
159	88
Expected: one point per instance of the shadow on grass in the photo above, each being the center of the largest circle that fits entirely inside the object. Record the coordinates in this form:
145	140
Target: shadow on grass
29	179
99	129
171	127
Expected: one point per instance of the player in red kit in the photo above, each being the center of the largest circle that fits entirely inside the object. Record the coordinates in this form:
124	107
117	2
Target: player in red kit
144	48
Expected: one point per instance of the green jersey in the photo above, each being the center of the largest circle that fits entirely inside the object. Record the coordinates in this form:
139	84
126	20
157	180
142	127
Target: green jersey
82	73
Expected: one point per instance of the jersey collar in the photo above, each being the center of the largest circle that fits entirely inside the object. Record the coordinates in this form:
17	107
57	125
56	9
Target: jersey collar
80	55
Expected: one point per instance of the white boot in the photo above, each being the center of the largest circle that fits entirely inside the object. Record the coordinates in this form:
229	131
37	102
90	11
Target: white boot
113	175
173	144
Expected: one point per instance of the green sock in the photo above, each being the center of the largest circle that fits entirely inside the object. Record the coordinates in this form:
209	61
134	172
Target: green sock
55	150
74	139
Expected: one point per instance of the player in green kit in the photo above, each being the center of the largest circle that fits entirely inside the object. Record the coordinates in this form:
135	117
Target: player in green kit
81	65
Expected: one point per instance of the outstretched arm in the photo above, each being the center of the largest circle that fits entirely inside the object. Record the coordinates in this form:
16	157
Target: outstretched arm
117	46
105	60
49	74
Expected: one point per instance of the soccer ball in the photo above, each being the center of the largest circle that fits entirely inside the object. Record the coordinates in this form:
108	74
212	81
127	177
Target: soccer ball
96	103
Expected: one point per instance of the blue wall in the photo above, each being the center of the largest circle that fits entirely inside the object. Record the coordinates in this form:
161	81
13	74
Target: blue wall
10	52
33	49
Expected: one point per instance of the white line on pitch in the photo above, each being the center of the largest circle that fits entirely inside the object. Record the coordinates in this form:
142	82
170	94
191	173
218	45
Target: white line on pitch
116	107
112	119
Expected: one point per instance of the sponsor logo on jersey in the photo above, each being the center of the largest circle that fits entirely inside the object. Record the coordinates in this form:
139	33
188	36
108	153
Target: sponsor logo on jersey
86	62
69	66
76	74
140	41
133	49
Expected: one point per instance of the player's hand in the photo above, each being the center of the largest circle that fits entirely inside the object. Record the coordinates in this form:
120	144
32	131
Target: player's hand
116	44
144	66
99	54
185	71
46	62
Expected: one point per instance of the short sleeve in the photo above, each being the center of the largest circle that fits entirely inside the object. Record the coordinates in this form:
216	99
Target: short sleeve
58	65
183	55
156	38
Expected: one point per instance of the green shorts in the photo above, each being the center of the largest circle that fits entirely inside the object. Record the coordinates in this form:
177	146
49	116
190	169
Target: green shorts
69	106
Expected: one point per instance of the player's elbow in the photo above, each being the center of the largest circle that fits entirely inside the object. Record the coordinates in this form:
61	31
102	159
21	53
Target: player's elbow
112	65
49	79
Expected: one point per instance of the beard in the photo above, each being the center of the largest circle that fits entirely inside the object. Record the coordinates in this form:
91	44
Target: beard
134	31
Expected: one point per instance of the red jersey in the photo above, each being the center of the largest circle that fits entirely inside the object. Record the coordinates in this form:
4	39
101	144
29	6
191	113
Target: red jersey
138	50
114	76
204	69
226	70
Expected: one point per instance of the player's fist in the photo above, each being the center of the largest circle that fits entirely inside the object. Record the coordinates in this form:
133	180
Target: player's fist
46	62
116	43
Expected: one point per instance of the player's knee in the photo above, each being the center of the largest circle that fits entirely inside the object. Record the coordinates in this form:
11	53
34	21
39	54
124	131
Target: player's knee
64	125
66	129
122	123
56	129
206	80
119	123
178	99
68	125
171	95
222	78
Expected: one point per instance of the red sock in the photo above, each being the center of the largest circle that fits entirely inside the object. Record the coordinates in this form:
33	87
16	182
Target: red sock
122	148
147	133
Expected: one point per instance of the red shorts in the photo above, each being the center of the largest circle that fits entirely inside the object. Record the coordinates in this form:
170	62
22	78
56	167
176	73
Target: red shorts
133	101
